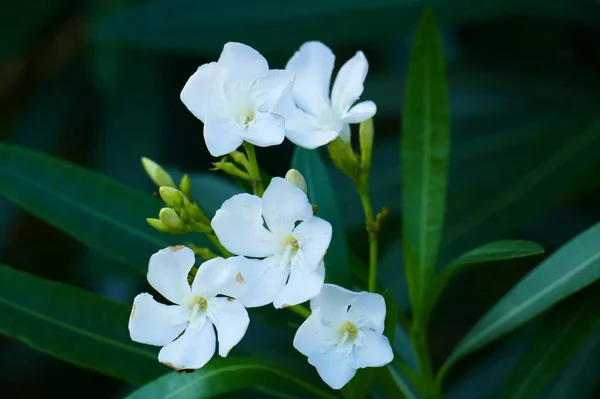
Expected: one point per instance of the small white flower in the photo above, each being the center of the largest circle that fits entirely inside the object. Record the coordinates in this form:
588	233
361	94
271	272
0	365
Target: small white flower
313	118
292	270
234	98
344	333
198	309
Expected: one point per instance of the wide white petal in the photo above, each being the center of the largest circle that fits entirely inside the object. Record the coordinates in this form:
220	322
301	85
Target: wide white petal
272	88
202	93
153	323
311	139
349	83
333	367
220	276
266	130
168	270
242	61
283	204
190	351
360	112
345	133
302	285
333	301
303	129
231	321
312	64
313	337
375	351
368	311
264	278
222	135
239	227
314	237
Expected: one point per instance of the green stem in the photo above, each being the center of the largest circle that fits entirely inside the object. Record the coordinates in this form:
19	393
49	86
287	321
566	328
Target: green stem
215	241
370	223
257	185
300	310
428	386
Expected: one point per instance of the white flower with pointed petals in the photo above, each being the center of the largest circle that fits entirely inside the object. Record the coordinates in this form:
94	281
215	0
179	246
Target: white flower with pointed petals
313	118
186	330
291	271
344	333
235	97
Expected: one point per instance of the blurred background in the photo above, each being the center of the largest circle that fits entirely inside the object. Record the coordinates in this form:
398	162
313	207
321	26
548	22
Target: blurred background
97	83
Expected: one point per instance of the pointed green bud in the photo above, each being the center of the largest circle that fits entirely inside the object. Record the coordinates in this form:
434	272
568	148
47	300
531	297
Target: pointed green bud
196	213
344	158
297	179
365	135
157	224
240	158
169	218
186	187
172	197
158	175
230	169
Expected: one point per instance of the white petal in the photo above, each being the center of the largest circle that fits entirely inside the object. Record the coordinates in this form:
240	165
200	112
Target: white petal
168	270
345	133
313	337
368	311
190	351
231	321
302	285
314	236
333	301
348	85
264	281
221	135
153	323
266	130
202	92
272	88
242	61
313	65
360	112
239	227
333	367
283	204
376	351
310	138
220	276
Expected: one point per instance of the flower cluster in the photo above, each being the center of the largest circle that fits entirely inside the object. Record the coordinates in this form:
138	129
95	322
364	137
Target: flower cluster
277	244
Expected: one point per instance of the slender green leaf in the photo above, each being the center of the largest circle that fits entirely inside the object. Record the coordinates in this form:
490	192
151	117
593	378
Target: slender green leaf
572	267
425	153
321	193
563	331
491	252
221	376
97	211
73	325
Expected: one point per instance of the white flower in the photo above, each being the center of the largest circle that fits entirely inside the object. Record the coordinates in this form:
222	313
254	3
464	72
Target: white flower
344	333
312	118
234	98
292	271
197	312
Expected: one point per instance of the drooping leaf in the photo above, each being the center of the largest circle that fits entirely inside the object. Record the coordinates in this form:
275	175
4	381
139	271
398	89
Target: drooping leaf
425	152
221	376
73	325
563	331
571	268
321	193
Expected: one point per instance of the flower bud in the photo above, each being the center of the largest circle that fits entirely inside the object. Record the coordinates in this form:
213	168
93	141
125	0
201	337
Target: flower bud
157	224
230	169
158	175
186	187
172	197
297	179
365	134
169	218
344	158
240	158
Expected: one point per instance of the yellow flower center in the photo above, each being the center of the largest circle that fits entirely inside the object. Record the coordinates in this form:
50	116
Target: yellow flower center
349	330
197	305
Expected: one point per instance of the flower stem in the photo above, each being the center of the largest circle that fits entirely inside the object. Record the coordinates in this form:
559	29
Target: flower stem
373	235
256	181
300	310
215	241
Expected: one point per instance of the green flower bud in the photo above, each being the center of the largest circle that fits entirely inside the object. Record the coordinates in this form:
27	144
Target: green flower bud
240	158
365	134
230	169
297	179
344	158
186	187
158	225
158	175
169	218
172	197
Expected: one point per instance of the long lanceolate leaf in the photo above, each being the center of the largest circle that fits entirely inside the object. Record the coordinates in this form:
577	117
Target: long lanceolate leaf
221	376
572	267
74	325
425	152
